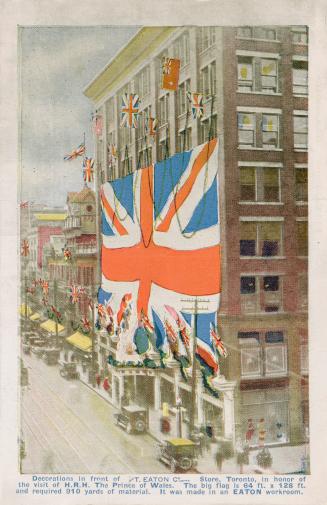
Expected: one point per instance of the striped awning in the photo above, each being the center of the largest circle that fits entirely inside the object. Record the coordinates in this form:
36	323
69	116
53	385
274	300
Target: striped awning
80	341
50	326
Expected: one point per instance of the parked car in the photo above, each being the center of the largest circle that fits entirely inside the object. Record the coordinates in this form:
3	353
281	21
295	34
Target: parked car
37	350
178	453
51	356
69	370
132	418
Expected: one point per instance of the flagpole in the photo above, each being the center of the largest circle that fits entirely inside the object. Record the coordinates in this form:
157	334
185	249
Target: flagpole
194	378
93	339
55	305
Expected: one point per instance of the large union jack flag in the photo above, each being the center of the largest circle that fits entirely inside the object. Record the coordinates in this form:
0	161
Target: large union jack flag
161	244
129	110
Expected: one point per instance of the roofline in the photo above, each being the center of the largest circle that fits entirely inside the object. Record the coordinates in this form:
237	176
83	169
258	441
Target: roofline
126	57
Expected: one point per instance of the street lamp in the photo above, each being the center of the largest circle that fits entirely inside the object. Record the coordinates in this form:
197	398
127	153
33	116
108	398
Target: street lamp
179	417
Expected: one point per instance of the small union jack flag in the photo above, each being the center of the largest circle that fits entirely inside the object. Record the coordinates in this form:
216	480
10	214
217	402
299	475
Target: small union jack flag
25	250
196	100
217	342
79	151
86	323
67	254
23	205
88	165
74	294
45	287
101	310
45	300
130	107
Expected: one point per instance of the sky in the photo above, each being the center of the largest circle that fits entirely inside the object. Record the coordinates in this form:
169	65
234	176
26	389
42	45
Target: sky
57	63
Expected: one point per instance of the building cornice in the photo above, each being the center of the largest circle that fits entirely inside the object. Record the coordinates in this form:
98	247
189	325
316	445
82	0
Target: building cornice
137	50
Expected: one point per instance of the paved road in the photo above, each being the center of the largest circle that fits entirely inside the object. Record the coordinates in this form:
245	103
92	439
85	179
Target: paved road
68	428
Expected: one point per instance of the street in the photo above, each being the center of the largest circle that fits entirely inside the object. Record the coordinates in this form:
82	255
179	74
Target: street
68	428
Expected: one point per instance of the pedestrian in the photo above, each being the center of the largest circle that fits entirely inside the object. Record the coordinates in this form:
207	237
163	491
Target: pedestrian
98	379
261	432
66	356
219	458
250	431
106	385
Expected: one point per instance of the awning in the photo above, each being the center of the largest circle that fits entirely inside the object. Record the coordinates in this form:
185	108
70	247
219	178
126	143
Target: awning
50	326
22	310
80	341
35	316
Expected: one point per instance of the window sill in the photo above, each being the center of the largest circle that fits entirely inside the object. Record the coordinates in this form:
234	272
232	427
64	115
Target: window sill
300	149
258	40
207	49
305	95
303	257
302	203
262	257
260	203
258	93
300	43
251	148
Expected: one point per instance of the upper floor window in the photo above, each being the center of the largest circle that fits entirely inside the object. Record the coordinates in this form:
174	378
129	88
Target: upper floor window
208	80
182	49
207	37
208	129
267	137
261	293
304	358
182	98
262	354
303	291
163	149
301	183
300	34
110	106
259	184
164	109
184	140
300	77
260	238
265	81
302	238
300	123
256	32
142	82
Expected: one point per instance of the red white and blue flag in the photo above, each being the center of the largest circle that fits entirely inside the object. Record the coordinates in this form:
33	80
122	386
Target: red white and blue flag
74	294
161	243
88	165
130	107
196	100
79	151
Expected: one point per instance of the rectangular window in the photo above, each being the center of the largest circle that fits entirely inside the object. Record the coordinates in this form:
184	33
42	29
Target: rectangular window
273	337
301	184
164	109
261	293
275	360
182	100
251	362
244	32
248	285
302	238
259	184
246	129
260	238
245	73
270	131
269	75
207	37
300	132
182	49
208	129
300	77
184	140
264	33
300	35
208	80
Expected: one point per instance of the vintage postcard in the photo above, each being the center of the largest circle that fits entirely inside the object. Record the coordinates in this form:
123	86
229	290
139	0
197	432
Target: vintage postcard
163	263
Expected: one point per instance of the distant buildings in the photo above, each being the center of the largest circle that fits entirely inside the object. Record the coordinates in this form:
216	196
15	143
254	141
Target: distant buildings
255	83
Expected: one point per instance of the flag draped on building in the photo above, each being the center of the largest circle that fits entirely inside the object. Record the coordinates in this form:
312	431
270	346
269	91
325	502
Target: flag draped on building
160	229
88	165
170	73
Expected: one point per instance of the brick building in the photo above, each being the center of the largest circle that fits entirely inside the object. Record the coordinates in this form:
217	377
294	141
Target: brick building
255	86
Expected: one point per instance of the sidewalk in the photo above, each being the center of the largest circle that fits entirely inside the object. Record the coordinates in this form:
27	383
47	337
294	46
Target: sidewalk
285	459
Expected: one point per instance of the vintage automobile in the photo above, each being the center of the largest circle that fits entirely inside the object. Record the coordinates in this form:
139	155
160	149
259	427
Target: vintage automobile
51	356
37	350
69	370
178	453
132	418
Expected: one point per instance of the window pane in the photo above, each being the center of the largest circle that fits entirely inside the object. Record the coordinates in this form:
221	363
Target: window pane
250	362
302	238
270	237
247	184
271	283
271	184
246	121
247	285
248	334
248	239
301	181
272	337
246	137
275	360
